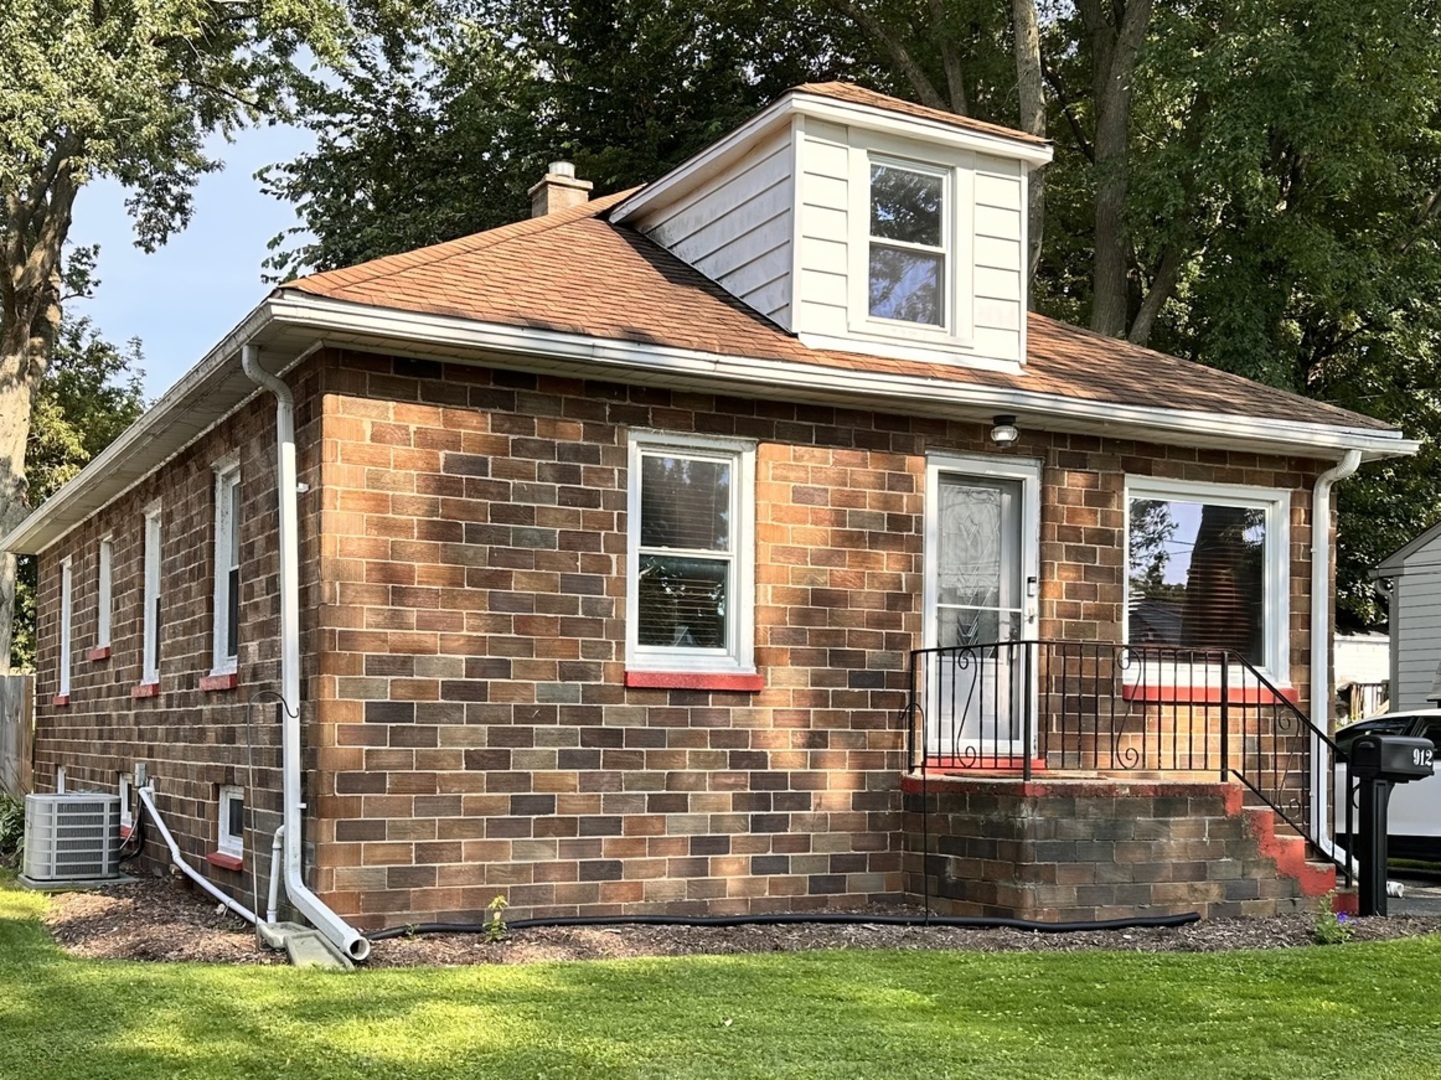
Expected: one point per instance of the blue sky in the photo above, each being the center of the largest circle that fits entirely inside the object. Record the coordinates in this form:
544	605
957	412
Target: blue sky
184	298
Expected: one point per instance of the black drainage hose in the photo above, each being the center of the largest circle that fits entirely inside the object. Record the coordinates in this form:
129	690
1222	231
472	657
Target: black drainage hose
976	922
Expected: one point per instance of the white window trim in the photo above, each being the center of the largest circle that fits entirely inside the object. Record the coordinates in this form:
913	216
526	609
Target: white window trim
150	632
739	655
105	591
957	167
127	819
227	473
67	635
226	842
1276	502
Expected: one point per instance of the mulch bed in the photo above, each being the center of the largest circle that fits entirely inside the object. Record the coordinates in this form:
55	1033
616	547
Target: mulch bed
164	919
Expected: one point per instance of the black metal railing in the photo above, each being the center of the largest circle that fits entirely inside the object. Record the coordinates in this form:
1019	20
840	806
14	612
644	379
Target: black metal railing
1095	707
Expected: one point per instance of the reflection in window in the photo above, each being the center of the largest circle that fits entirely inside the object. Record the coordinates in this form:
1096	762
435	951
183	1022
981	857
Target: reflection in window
1197	576
686	551
907	249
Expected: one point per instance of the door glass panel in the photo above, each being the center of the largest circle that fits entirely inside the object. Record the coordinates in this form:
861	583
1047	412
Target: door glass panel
978	565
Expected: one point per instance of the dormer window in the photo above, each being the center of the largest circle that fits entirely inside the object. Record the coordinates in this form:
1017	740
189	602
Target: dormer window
908	243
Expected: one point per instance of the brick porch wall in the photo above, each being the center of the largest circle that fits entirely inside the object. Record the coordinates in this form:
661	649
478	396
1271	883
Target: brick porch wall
192	741
475	737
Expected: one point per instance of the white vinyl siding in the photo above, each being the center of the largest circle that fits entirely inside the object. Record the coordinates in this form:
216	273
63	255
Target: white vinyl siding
737	228
1415	624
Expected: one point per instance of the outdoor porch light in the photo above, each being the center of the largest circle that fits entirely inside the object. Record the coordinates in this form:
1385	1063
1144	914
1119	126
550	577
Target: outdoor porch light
1005	432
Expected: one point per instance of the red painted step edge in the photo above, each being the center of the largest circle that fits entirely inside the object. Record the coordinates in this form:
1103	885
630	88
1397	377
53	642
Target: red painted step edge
1288	853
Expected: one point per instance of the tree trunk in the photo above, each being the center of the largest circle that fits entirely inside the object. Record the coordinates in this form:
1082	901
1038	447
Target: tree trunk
1031	93
1115	46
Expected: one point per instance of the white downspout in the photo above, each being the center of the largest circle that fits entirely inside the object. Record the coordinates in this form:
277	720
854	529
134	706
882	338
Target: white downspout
336	930
1321	779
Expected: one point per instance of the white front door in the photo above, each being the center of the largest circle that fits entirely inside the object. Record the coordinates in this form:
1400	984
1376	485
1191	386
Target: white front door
982	522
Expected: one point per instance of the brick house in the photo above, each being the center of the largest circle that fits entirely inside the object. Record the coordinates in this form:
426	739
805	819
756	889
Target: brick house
739	543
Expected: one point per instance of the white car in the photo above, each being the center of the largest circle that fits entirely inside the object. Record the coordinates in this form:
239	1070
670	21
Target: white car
1414	821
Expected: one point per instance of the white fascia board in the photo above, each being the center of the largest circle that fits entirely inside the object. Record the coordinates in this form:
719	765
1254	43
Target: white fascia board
144	446
793	103
908	392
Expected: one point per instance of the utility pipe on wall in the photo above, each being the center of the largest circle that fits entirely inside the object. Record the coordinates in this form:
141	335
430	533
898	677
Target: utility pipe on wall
176	858
336	930
1321	780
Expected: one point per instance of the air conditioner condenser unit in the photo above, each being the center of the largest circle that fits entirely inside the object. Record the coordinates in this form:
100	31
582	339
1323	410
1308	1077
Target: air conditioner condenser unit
72	837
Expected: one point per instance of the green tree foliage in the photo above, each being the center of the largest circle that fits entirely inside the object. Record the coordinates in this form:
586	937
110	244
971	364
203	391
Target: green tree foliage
90	393
128	89
1254	185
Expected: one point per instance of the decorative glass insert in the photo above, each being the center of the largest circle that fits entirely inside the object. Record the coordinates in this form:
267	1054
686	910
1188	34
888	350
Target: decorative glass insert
978	569
686	551
907	246
1197	576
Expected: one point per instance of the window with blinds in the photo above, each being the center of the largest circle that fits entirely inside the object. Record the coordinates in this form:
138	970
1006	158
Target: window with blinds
1206	572
690	507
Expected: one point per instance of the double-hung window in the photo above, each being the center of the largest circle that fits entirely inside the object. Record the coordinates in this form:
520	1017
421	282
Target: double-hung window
150	616
690	559
66	611
226	629
909	226
1208	571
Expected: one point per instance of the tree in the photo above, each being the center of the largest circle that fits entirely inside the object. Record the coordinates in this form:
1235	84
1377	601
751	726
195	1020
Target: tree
128	89
90	393
1255	185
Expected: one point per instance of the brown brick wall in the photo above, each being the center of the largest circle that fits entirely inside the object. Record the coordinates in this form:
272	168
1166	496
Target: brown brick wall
477	735
469	733
191	741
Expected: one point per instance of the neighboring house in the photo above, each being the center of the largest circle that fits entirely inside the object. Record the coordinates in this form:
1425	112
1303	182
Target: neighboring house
618	533
1363	674
1410	579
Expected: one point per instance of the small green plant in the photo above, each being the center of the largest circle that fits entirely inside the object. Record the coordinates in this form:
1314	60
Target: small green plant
1332	927
12	828
495	927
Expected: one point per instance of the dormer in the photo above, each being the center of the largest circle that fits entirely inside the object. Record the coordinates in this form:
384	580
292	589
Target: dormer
861	223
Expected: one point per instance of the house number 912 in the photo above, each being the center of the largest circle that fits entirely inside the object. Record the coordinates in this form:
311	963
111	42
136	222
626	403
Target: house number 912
1422	757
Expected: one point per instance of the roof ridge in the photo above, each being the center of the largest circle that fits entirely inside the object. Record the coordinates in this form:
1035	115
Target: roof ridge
399	262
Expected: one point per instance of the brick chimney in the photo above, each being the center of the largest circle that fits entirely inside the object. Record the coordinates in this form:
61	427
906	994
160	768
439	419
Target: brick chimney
558	189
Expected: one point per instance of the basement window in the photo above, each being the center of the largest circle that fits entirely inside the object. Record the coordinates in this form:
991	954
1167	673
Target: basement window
231	836
690	557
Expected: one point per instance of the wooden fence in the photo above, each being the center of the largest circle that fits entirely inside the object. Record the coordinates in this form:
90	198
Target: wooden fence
17	733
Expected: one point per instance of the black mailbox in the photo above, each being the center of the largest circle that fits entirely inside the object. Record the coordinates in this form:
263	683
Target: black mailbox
1379	763
1392	757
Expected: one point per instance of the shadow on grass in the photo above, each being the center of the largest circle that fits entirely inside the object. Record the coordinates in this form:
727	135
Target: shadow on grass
887	1015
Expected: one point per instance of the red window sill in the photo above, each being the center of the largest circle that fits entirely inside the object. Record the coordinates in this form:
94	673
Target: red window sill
125	831
1207	695
100	652
694	680
219	682
145	689
224	861
60	699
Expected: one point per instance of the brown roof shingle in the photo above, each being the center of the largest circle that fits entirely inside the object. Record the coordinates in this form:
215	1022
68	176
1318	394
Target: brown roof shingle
575	272
859	95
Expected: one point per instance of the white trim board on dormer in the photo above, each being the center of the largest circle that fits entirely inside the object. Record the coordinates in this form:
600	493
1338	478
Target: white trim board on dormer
720	155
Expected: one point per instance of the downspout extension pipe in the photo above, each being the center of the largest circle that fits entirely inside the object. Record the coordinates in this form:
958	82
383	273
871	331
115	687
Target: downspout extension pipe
1321	781
272	903
179	860
336	930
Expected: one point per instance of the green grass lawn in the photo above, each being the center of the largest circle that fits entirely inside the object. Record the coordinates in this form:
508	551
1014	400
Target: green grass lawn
1370	1010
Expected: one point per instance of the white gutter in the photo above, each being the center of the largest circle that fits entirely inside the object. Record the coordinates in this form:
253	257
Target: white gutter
339	319
1321	766
176	858
340	933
